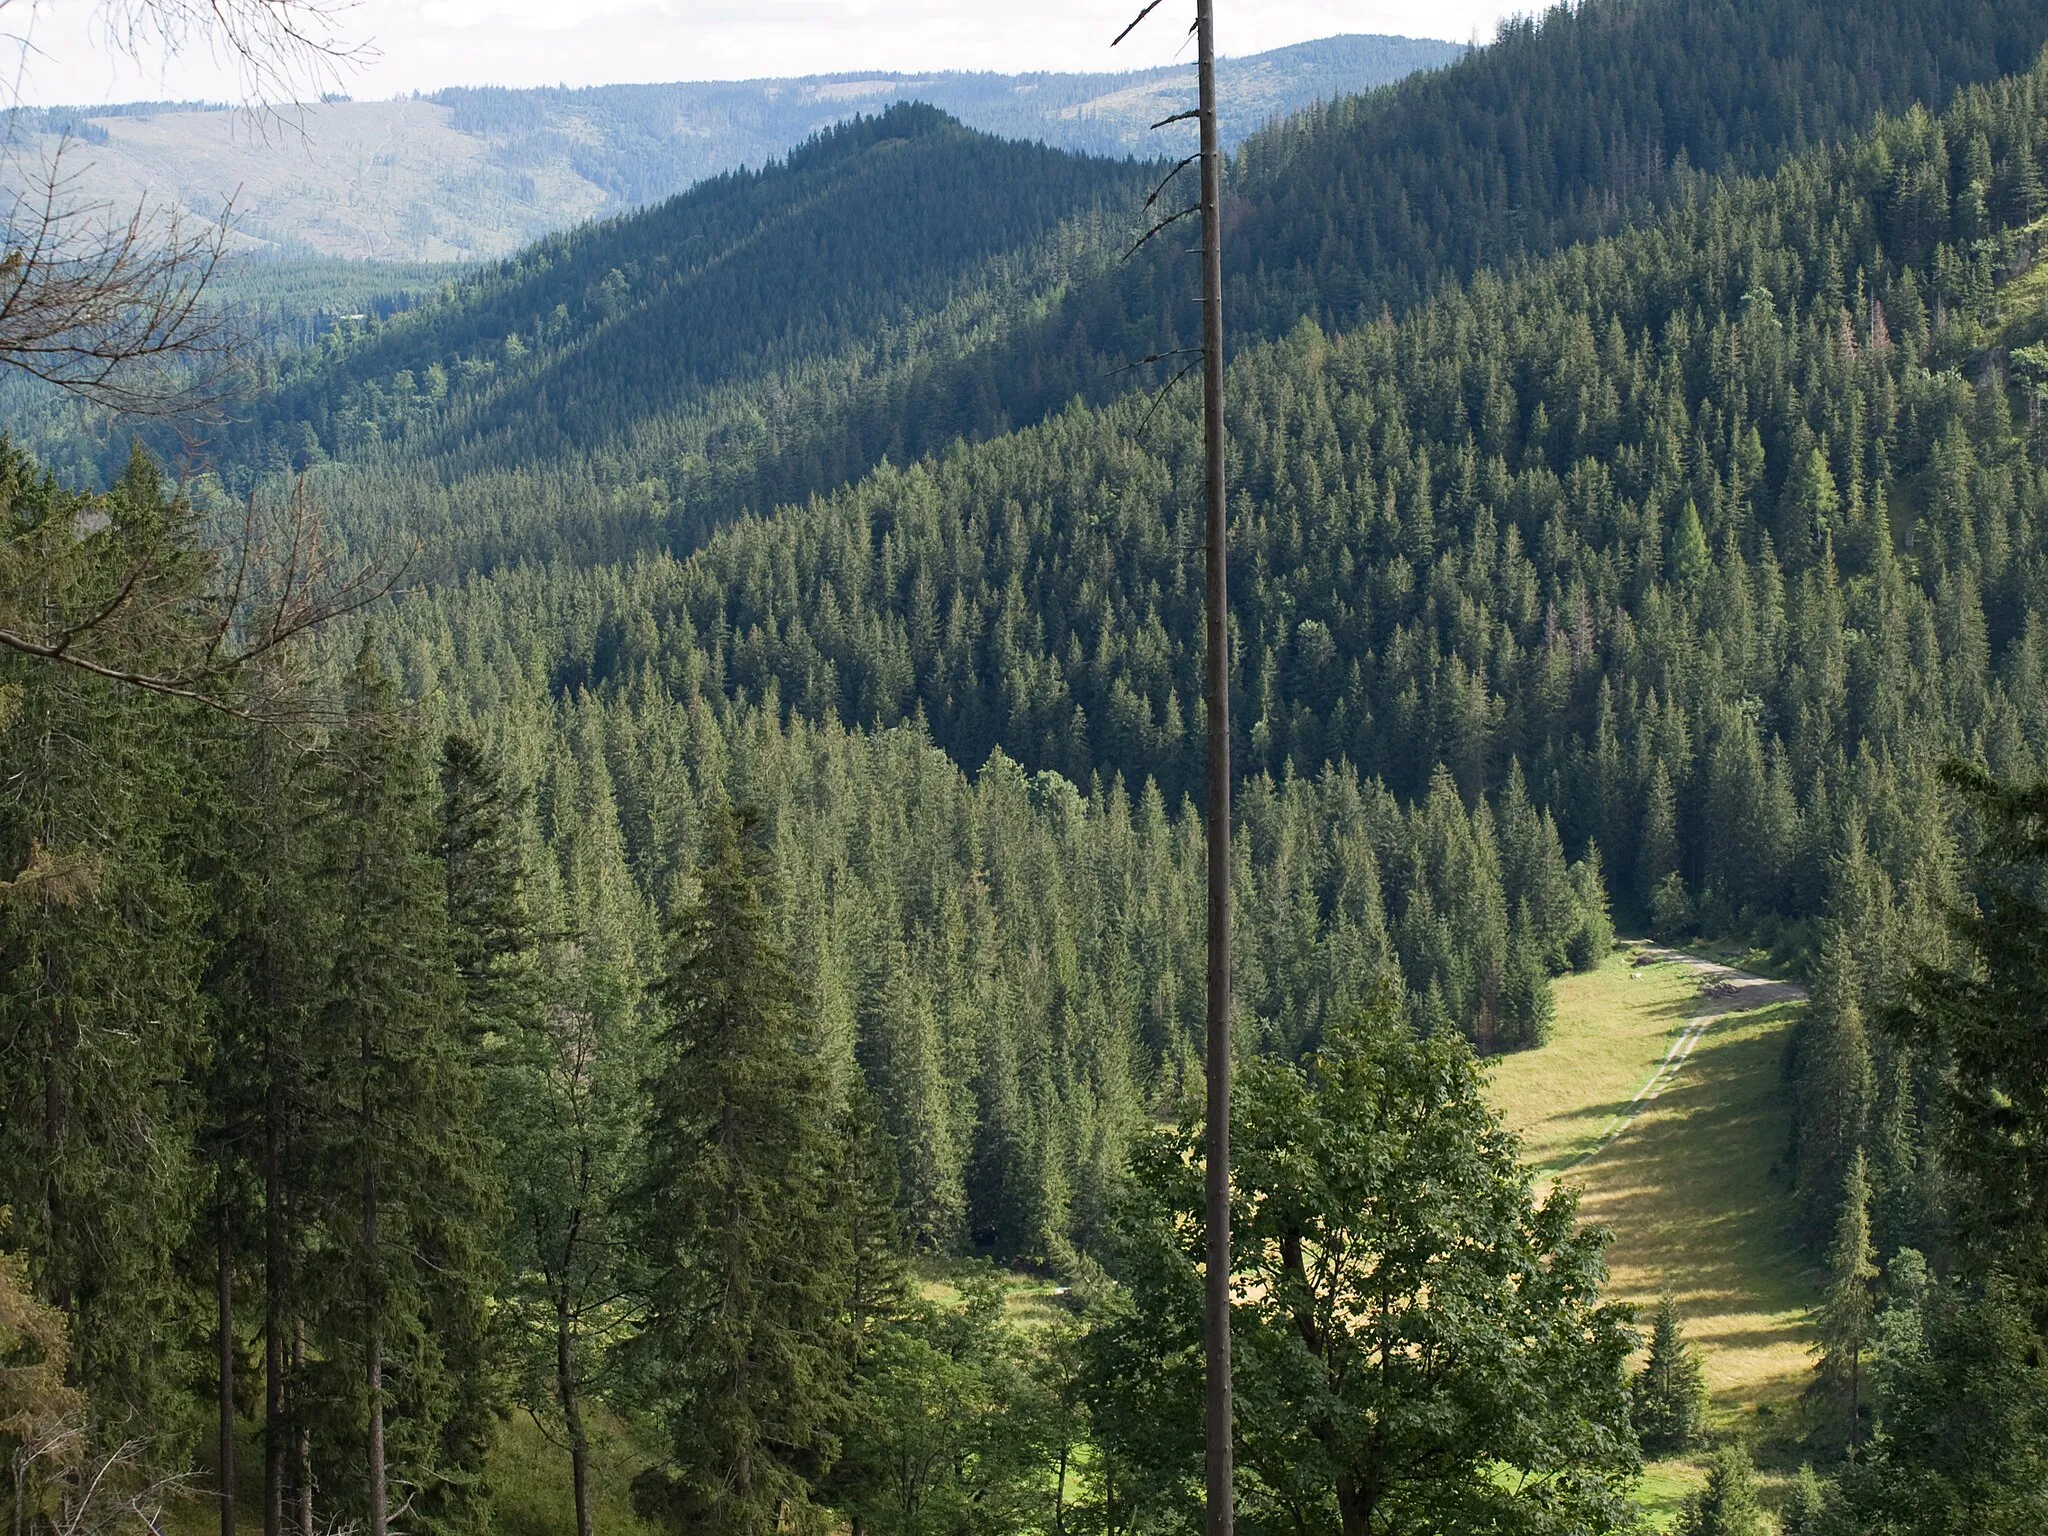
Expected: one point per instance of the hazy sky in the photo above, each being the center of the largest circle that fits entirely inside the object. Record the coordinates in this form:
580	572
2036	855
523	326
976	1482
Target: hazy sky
423	44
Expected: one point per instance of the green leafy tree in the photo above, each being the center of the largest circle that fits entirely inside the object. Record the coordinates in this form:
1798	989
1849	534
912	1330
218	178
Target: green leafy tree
1419	1345
1668	1398
947	1427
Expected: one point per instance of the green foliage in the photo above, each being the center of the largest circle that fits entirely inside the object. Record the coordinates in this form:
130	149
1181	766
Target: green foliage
1963	1404
1415	1341
1834	1086
1728	1505
406	1240
1417	593
741	1218
1847	1311
1984	1014
1806	1505
982	313
948	1428
1668	1398
103	1023
1690	551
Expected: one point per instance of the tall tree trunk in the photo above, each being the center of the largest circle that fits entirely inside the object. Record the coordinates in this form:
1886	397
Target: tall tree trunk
373	1360
572	1412
274	1425
224	1285
1855	1397
302	1437
1218	1418
1354	1508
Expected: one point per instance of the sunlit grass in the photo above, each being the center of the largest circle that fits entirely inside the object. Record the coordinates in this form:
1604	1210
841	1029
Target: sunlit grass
1690	1190
531	1492
1613	1028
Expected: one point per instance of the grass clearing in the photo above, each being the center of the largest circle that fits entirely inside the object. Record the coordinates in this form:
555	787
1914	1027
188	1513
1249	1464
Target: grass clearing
1688	1187
530	1484
1614	1026
1029	1301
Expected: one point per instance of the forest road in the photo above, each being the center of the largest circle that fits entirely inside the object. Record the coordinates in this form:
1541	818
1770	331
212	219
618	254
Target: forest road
1724	992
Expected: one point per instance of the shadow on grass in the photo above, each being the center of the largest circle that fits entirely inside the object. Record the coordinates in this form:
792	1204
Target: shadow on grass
1689	1192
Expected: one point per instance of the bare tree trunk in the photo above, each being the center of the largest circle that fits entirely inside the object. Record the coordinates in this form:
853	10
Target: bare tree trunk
1216	1299
273	1305
302	1437
1855	1397
225	1297
373	1363
572	1413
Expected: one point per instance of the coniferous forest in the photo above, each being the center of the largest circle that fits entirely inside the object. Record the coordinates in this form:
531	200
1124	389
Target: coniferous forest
613	856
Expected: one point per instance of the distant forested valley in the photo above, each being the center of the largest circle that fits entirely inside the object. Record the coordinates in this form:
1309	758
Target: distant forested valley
612	850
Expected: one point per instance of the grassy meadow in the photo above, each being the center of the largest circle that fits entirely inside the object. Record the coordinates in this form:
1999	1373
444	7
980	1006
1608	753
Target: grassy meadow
1690	1187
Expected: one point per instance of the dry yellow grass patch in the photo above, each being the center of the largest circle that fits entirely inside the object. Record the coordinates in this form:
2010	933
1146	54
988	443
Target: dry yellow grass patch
1688	1187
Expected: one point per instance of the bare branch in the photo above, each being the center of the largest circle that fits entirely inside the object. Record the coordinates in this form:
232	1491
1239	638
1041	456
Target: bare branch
106	305
1153	197
1180	117
1151	357
1163	225
161	632
1164	390
285	50
1127	31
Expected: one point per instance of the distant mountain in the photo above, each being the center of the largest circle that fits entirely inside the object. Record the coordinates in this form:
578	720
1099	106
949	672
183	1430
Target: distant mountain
478	173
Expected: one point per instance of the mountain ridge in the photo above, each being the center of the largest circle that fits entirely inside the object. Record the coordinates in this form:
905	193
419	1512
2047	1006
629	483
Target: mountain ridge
470	173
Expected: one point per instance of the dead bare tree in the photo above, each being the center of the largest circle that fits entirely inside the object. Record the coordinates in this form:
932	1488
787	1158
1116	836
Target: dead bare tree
88	1492
110	306
1217	1409
109	303
115	308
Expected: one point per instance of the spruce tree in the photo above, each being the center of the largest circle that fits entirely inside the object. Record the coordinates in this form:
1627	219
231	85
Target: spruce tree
1806	1505
1834	1087
747	1337
1847	1311
1668	1399
1728	1505
407	1195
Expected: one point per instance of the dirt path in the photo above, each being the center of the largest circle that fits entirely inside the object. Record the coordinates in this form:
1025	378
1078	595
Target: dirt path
1724	991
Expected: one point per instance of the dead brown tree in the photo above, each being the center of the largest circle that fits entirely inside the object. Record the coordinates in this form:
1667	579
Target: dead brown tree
1219	1479
115	308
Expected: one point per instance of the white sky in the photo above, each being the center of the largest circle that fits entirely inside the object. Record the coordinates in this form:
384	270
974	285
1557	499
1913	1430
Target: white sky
424	44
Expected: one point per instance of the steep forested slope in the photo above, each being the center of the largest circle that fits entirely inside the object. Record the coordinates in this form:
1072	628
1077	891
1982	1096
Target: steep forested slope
877	226
952	287
1725	530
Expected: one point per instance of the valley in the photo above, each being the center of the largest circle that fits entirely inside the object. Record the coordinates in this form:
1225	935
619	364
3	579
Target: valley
604	882
1680	1153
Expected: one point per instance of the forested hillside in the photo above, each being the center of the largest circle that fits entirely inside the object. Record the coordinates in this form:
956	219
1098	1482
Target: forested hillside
1598	116
751	852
